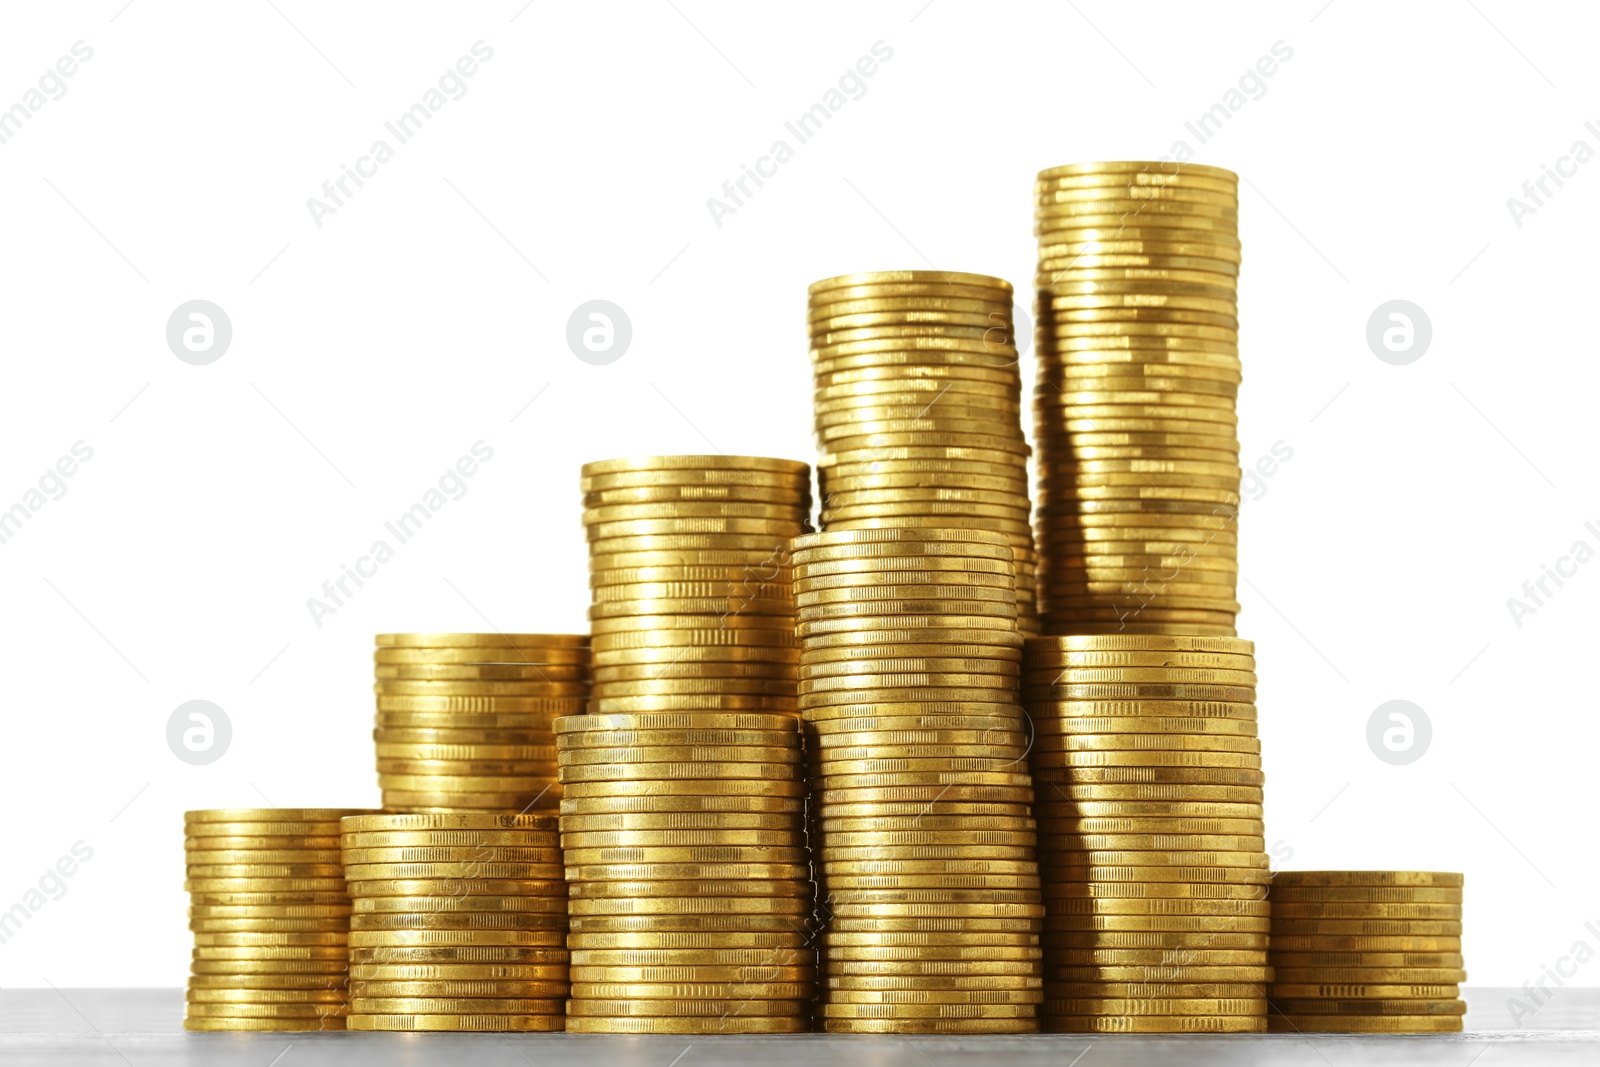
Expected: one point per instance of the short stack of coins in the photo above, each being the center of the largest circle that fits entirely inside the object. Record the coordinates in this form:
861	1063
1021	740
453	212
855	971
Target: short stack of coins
459	923
271	919
464	719
918	408
1370	952
684	840
920	786
692	604
1151	842
1138	336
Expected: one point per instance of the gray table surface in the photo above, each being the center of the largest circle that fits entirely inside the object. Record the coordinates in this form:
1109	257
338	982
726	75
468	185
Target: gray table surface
140	1027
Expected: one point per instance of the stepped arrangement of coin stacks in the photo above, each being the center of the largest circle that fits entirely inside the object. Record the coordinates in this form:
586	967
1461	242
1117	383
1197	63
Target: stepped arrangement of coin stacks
688	566
918	409
920	784
459	922
684	840
1139	369
1366	952
463	720
1149	778
271	919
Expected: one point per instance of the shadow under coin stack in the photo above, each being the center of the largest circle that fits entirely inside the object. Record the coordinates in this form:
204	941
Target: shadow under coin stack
271	918
1138	373
684	840
460	922
693	608
464	719
1366	952
918	409
920	783
1150	833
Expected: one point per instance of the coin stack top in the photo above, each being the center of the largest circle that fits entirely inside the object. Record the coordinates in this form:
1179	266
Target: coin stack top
1366	952
1150	833
463	720
920	788
1137	325
271	919
918	408
459	923
684	841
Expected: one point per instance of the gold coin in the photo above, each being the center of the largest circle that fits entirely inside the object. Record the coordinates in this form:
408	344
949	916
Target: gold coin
1289	910
461	830
393	708
290	843
681	805
726	787
532	672
1364	879
1290	927
651	855
786	836
452	1005
459	920
683	906
1359	1024
375	973
465	889
457	954
579	774
383	939
712	1024
1295	1007
198	831
363	992
267	987
314	1010
744	476
564	658
458	1023
546	796
688	939
368	872
695	991
709	925
719	462
671	821
648	752
834	1009
1335	975
706	871
269	815
1367	943
223	970
269	911
1281	992
524	689
218	1024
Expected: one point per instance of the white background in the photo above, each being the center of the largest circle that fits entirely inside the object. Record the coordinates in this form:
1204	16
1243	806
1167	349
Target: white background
428	311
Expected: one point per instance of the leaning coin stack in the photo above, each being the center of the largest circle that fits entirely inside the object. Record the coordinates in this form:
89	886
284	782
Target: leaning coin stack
1366	952
692	604
1138	349
918	408
464	719
920	784
459	924
271	919
1150	833
684	841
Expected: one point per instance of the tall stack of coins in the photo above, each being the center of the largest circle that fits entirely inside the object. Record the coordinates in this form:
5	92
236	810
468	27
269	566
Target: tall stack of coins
693	609
271	919
1150	832
918	408
1366	952
920	784
1138	354
684	840
460	922
464	719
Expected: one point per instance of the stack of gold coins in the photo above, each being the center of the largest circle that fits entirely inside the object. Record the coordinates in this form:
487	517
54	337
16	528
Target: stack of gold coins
1138	372
918	409
920	785
1375	952
693	608
1150	832
684	841
271	917
464	719
460	922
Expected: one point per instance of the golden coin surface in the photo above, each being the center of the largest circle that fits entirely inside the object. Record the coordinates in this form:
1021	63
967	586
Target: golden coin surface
222	1024
268	815
459	1023
1341	879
